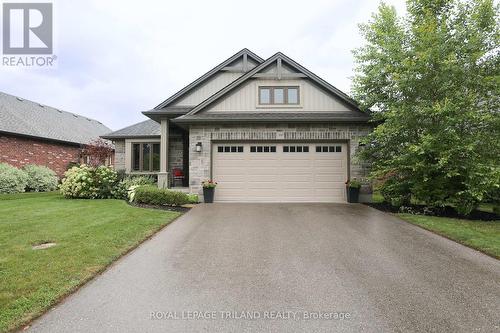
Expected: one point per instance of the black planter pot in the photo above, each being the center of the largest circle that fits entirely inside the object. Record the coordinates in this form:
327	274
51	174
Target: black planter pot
208	194
352	194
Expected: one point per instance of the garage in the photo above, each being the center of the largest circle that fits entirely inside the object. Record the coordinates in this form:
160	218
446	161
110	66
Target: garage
280	172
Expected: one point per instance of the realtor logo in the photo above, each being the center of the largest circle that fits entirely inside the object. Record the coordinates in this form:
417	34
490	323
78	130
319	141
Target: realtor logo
27	28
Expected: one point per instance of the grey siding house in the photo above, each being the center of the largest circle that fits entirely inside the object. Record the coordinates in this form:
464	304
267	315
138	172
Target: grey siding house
266	130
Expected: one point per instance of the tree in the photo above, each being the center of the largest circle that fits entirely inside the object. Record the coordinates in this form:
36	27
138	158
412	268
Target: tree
97	151
432	80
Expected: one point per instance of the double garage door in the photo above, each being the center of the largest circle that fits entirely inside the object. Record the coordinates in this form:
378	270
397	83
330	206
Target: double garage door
280	172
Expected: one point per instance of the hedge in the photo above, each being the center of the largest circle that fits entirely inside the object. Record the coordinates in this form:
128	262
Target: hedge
153	195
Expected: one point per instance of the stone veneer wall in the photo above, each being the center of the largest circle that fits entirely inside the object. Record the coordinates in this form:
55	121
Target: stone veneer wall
175	153
119	163
200	163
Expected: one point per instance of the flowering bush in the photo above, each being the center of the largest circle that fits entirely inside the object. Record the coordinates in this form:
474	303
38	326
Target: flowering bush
40	178
209	183
90	182
12	180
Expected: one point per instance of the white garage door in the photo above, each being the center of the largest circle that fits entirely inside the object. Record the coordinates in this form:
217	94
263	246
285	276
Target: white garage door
280	172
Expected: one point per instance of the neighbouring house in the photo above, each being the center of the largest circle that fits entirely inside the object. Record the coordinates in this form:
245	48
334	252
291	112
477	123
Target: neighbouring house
33	133
265	130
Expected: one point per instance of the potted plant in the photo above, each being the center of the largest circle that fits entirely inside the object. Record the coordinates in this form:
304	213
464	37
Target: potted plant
208	190
352	189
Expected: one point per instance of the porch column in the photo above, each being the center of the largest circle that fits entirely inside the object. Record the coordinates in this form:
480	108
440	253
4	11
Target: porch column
163	179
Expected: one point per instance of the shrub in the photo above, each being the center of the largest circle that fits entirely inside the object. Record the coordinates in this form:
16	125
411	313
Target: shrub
89	182
193	198
12	180
122	190
138	180
152	195
40	178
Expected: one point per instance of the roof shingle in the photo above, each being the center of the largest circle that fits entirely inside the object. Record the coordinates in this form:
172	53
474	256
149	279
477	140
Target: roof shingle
23	117
145	128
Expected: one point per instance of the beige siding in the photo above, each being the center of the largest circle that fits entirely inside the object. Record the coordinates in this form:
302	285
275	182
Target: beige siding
274	69
312	98
210	87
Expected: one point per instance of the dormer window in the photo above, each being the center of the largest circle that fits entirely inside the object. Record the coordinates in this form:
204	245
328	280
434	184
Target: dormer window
276	95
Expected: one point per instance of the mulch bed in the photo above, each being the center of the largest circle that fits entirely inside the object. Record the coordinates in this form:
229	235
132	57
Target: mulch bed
169	208
441	212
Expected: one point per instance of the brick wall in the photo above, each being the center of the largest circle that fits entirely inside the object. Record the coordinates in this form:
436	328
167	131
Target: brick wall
20	151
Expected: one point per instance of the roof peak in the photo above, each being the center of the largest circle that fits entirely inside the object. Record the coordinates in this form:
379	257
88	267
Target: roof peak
207	75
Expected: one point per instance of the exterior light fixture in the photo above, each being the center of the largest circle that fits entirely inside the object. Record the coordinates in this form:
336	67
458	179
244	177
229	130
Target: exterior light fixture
198	147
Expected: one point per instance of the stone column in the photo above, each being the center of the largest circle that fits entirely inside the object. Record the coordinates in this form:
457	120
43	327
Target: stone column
163	175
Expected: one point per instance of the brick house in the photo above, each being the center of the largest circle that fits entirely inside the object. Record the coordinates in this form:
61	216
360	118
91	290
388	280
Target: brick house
32	133
267	130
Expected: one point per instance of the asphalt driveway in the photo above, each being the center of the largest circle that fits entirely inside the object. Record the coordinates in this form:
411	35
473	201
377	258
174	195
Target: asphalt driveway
288	267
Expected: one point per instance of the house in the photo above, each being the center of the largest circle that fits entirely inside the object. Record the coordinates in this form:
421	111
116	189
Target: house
266	130
33	133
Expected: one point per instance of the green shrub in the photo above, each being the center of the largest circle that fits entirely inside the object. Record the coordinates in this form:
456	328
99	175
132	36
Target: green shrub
138	180
12	180
90	182
40	178
193	198
153	195
122	190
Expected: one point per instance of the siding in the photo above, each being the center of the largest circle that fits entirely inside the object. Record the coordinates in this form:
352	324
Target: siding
211	86
312	98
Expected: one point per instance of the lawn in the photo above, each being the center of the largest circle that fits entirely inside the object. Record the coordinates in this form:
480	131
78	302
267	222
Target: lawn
90	234
480	235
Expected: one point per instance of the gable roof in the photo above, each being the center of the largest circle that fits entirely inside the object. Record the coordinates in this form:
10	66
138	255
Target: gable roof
278	56
204	78
22	117
146	128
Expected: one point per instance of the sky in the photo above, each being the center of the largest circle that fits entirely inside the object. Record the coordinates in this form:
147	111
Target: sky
116	58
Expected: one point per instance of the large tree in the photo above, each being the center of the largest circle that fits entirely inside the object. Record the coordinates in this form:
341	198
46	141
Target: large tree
432	80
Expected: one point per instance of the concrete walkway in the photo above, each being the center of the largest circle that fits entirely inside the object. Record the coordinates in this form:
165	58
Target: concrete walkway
284	265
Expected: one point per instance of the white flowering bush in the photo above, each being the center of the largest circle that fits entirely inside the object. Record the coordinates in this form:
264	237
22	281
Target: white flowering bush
12	180
40	178
89	182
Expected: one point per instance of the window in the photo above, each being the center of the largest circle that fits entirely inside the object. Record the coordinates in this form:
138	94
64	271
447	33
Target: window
146	157
328	149
265	96
279	95
229	149
293	95
136	156
295	149
262	149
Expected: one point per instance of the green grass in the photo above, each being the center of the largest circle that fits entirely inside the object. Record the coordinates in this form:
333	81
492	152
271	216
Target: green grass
480	235
90	234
